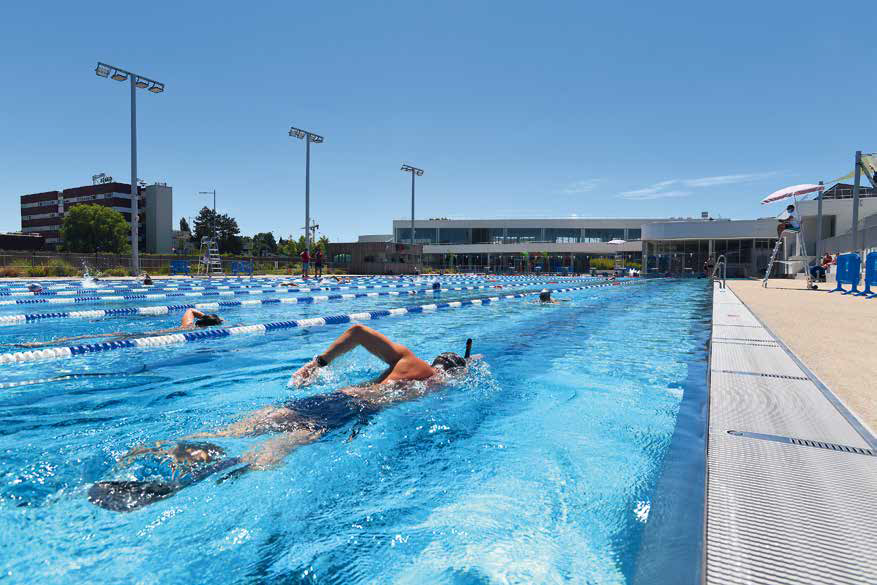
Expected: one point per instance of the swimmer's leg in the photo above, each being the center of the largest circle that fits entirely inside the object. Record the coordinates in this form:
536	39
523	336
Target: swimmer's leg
269	453
265	420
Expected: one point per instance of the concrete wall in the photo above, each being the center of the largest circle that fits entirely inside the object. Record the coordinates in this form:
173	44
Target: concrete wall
159	219
722	229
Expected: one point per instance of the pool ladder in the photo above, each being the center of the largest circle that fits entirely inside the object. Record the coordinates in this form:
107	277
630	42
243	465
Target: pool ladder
722	263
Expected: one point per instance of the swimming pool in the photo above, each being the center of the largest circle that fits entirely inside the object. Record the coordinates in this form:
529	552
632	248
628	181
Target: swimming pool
540	467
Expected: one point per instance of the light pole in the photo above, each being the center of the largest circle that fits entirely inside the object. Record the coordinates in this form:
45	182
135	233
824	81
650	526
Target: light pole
414	172
214	210
308	137
137	82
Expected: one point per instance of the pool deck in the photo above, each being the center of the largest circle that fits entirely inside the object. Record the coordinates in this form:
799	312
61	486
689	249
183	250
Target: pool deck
792	472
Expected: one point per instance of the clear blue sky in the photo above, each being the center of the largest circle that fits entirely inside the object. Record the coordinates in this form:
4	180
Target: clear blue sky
514	109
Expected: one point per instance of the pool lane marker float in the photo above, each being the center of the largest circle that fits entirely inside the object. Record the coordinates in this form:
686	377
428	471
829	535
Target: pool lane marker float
91	292
203	284
166	309
370	283
123	298
179	338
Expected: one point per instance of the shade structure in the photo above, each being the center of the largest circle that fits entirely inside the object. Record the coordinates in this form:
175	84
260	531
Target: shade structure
793	191
617	241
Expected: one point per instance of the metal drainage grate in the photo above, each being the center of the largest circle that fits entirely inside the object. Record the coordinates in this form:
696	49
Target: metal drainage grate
805	443
780	376
756	343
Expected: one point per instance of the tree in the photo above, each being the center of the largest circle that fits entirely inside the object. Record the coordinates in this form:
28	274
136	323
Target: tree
184	225
227	231
95	228
264	244
323	243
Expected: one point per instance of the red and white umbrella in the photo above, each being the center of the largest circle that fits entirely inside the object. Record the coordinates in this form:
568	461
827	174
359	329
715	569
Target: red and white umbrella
793	191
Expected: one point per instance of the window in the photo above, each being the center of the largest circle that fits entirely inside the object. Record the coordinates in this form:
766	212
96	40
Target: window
603	234
487	235
343	259
521	235
634	233
421	235
563	235
453	236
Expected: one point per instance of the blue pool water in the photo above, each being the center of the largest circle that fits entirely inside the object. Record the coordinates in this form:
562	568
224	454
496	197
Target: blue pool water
542	466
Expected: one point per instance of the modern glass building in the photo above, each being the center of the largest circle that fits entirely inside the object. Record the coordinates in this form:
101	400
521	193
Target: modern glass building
524	244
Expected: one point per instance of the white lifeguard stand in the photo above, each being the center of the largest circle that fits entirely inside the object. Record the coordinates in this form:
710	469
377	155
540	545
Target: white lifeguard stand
799	259
209	260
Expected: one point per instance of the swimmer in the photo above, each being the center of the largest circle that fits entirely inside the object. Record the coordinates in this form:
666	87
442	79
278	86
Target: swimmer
305	420
545	297
34	288
191	319
147	280
436	285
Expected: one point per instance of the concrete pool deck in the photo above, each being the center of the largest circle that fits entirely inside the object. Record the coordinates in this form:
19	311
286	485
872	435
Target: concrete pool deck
791	473
835	335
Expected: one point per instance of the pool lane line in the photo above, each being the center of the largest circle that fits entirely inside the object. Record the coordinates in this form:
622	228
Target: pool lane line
207	285
135	297
160	310
301	287
191	336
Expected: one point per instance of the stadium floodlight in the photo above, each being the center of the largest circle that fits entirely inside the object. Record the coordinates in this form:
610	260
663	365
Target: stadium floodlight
415	172
308	137
137	81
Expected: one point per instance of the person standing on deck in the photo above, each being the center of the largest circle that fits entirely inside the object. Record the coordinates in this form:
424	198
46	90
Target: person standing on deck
318	262
305	261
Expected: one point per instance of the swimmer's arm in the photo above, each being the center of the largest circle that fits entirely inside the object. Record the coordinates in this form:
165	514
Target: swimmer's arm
376	343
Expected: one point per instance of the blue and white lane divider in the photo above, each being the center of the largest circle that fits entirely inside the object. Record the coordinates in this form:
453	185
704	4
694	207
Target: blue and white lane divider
139	297
165	309
301	286
213	333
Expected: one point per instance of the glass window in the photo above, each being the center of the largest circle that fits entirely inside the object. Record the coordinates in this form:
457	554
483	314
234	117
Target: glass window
421	235
634	233
487	235
603	234
563	235
453	236
520	235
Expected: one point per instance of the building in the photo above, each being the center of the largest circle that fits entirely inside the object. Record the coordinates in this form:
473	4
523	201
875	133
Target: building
682	247
19	241
504	245
43	213
374	257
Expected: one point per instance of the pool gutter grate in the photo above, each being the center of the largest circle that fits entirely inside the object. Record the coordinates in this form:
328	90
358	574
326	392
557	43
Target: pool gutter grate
762	374
805	443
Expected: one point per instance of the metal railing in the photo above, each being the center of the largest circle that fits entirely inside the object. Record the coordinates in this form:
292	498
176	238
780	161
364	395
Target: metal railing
723	262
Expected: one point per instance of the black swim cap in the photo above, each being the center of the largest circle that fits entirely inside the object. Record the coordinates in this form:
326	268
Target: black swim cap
208	320
448	361
545	295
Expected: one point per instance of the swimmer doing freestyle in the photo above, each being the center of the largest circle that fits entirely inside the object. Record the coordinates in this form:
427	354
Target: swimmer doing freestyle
304	420
295	423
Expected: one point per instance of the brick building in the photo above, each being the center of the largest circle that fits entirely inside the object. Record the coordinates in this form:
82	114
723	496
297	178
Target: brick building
43	213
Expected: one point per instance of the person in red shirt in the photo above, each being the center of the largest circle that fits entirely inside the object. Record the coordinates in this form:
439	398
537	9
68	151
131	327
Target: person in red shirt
318	262
305	261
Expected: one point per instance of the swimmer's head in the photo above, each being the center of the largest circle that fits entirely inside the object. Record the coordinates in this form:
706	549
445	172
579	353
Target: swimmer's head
545	296
208	320
448	361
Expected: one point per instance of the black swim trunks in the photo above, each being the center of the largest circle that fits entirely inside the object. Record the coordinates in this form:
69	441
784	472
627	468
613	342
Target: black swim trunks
330	411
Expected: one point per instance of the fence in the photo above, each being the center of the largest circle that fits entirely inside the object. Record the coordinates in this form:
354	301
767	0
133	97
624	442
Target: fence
151	263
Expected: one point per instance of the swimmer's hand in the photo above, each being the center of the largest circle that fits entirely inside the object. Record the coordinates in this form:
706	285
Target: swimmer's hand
306	374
